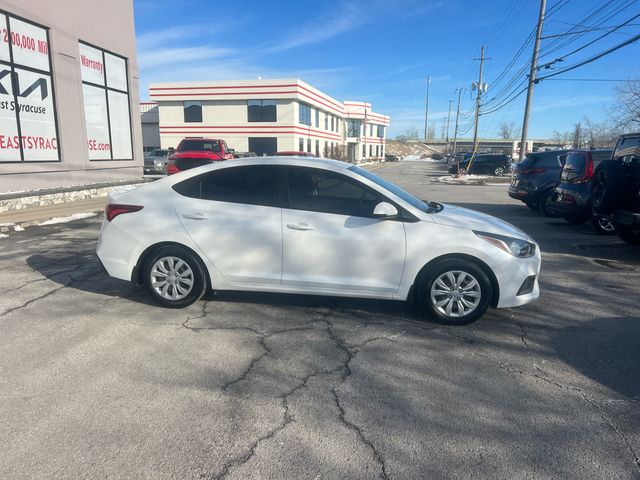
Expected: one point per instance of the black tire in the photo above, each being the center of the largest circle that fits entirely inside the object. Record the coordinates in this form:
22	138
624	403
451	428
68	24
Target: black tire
427	280
544	204
499	171
532	206
607	186
603	225
577	219
197	276
629	236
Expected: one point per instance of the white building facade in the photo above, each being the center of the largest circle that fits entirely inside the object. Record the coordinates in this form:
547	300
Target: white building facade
268	116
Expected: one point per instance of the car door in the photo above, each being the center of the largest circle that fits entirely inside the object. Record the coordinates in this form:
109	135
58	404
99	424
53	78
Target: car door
234	217
331	241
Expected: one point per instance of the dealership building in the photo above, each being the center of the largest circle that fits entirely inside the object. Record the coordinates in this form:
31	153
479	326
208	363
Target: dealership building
268	116
68	87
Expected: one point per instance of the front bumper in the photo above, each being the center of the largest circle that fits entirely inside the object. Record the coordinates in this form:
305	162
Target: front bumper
511	276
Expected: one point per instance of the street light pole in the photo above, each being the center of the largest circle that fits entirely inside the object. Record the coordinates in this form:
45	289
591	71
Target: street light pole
426	110
448	121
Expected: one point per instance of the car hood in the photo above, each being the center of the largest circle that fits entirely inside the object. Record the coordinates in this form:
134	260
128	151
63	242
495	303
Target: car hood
474	220
197	154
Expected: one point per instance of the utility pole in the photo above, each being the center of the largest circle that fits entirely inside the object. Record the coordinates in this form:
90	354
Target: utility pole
455	134
426	110
480	87
532	79
448	120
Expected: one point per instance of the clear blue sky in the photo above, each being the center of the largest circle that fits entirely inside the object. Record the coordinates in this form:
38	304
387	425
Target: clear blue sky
382	50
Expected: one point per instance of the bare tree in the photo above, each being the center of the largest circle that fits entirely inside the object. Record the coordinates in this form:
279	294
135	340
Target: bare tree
626	110
577	136
431	132
508	130
338	152
561	138
599	134
410	133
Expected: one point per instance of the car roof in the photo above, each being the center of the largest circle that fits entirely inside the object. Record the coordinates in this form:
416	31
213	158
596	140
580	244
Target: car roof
273	160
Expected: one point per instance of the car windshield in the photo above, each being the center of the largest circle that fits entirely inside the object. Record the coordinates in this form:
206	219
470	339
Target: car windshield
397	191
199	145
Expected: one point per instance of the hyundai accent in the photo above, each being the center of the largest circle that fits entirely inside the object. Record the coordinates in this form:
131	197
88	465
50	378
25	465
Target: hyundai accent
313	226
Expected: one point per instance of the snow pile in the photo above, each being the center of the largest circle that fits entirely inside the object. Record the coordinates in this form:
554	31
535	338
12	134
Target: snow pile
70	218
472	180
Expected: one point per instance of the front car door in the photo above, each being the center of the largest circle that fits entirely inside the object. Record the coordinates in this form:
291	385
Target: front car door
332	242
234	217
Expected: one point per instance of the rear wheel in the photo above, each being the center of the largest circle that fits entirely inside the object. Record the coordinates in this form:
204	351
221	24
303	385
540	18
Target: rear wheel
174	277
454	292
603	225
545	204
629	236
499	171
607	186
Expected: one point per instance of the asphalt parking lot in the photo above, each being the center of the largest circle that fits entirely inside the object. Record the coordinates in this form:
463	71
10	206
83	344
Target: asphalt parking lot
95	381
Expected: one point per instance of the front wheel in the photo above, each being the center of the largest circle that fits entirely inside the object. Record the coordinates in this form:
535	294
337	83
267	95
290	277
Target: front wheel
499	171
454	292
174	277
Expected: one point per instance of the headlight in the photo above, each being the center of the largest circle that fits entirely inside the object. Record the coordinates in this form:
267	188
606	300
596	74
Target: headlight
515	246
158	163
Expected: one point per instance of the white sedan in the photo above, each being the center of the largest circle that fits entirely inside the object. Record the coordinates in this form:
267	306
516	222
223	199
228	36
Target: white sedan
313	226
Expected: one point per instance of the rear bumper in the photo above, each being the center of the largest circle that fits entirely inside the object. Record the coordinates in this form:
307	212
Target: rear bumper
627	219
522	194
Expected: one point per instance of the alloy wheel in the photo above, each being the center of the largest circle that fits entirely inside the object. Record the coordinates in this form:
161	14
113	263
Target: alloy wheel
172	278
606	224
455	293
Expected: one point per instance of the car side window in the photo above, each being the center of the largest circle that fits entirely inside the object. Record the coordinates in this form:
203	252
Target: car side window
253	185
330	192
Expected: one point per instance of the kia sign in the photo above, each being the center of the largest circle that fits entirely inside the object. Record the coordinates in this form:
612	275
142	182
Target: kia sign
27	112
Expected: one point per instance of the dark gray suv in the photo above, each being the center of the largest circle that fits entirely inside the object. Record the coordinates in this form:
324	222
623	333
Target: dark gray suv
535	178
155	163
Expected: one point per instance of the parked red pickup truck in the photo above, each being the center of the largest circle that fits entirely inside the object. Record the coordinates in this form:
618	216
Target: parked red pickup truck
196	151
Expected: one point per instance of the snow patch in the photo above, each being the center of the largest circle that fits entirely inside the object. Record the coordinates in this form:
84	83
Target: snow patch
70	218
18	228
3	235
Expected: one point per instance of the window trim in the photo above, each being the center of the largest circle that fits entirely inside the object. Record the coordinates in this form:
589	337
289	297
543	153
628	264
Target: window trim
12	65
106	89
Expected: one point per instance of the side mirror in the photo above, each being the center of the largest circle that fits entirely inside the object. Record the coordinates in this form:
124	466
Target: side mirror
385	210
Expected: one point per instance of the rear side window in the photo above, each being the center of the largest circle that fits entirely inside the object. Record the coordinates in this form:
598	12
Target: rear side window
199	146
253	185
600	156
628	149
550	159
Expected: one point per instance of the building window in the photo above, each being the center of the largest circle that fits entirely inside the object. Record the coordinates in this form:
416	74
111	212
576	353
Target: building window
105	87
371	150
380	131
371	129
326	121
332	123
262	111
301	144
377	150
304	114
353	127
317	118
263	145
364	151
192	111
317	148
382	150
29	131
309	145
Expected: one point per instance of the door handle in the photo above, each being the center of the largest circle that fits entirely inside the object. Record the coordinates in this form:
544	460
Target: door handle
195	216
299	226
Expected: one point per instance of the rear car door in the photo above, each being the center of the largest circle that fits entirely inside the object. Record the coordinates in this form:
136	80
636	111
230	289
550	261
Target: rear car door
331	239
234	217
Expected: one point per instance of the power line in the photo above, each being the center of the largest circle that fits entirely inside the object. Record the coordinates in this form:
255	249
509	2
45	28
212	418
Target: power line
592	59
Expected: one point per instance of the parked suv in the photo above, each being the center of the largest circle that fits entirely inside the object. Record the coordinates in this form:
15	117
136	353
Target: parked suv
572	198
536	177
616	188
196	151
484	163
155	163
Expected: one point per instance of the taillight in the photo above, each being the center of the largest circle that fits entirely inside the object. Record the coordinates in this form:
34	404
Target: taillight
585	177
171	165
114	209
530	171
